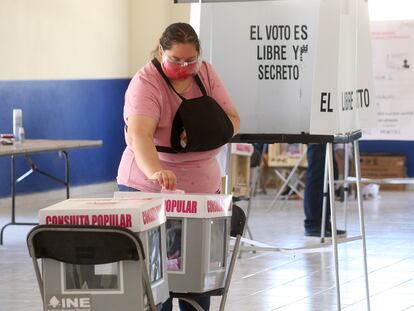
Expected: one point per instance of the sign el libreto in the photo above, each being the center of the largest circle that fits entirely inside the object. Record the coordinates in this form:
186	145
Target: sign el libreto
291	66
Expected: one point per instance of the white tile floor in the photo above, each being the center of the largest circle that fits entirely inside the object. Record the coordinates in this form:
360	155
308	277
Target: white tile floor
277	281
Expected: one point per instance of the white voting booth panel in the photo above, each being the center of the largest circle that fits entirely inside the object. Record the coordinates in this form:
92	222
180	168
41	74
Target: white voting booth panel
109	286
198	232
295	67
292	66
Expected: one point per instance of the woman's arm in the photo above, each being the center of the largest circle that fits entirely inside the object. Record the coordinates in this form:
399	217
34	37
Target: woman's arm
219	93
140	137
234	118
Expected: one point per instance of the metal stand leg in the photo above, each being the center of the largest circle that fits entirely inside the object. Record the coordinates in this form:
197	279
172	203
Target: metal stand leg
230	273
329	156
329	169
346	185
227	189
255	175
361	219
249	232
325	195
246	229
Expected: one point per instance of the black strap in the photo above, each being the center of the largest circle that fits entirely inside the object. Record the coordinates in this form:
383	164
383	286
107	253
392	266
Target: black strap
165	149
200	85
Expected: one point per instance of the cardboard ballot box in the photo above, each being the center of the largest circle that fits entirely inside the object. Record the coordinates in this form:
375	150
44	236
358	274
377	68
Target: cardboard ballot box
378	166
198	232
109	286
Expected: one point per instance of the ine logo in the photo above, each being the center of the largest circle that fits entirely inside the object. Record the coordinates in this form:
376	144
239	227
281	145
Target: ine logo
54	302
69	303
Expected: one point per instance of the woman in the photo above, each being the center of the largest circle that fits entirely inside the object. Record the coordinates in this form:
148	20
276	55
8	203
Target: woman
177	115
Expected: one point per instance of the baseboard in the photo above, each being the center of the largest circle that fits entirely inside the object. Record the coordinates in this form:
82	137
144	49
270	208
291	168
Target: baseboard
409	187
42	199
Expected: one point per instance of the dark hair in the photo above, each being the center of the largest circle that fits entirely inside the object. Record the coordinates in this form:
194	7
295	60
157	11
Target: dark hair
179	33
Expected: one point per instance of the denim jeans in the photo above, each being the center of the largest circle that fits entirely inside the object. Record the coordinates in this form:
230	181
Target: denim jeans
313	199
203	301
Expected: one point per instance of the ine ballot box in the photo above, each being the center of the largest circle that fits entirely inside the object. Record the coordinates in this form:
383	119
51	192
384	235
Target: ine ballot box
113	286
198	233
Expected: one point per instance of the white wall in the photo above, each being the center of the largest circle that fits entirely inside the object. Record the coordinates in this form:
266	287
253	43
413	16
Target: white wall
63	39
80	39
391	9
148	19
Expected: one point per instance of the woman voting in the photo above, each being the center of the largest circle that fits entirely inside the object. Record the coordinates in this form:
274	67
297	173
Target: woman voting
177	116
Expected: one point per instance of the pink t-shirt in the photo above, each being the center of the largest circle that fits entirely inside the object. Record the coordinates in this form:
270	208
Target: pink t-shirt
149	95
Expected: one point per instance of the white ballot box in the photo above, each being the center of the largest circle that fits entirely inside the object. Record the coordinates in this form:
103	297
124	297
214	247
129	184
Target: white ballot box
198	233
112	286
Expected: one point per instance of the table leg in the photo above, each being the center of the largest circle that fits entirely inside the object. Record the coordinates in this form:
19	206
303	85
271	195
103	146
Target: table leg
65	155
13	197
13	190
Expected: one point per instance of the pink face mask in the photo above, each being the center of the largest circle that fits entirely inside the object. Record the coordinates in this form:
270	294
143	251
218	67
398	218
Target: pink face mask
179	71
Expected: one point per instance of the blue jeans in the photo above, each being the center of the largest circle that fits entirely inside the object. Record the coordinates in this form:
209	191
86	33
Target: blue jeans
313	199
203	301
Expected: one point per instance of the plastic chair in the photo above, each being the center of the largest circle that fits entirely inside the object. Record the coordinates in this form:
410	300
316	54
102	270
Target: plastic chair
238	221
103	244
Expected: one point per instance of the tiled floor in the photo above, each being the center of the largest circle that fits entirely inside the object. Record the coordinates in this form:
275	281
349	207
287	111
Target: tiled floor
278	281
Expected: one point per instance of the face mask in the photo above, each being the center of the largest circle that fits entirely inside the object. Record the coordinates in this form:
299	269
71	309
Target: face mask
178	70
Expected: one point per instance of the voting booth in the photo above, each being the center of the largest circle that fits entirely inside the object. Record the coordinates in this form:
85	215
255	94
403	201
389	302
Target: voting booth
198	232
108	286
291	66
298	71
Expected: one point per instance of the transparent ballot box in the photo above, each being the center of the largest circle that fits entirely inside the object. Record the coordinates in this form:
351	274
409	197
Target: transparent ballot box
198	232
115	285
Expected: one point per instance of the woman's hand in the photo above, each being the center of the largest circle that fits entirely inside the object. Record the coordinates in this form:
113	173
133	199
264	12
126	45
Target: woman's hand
165	178
183	139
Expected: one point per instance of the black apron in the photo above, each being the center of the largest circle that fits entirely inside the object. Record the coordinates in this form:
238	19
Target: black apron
206	124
